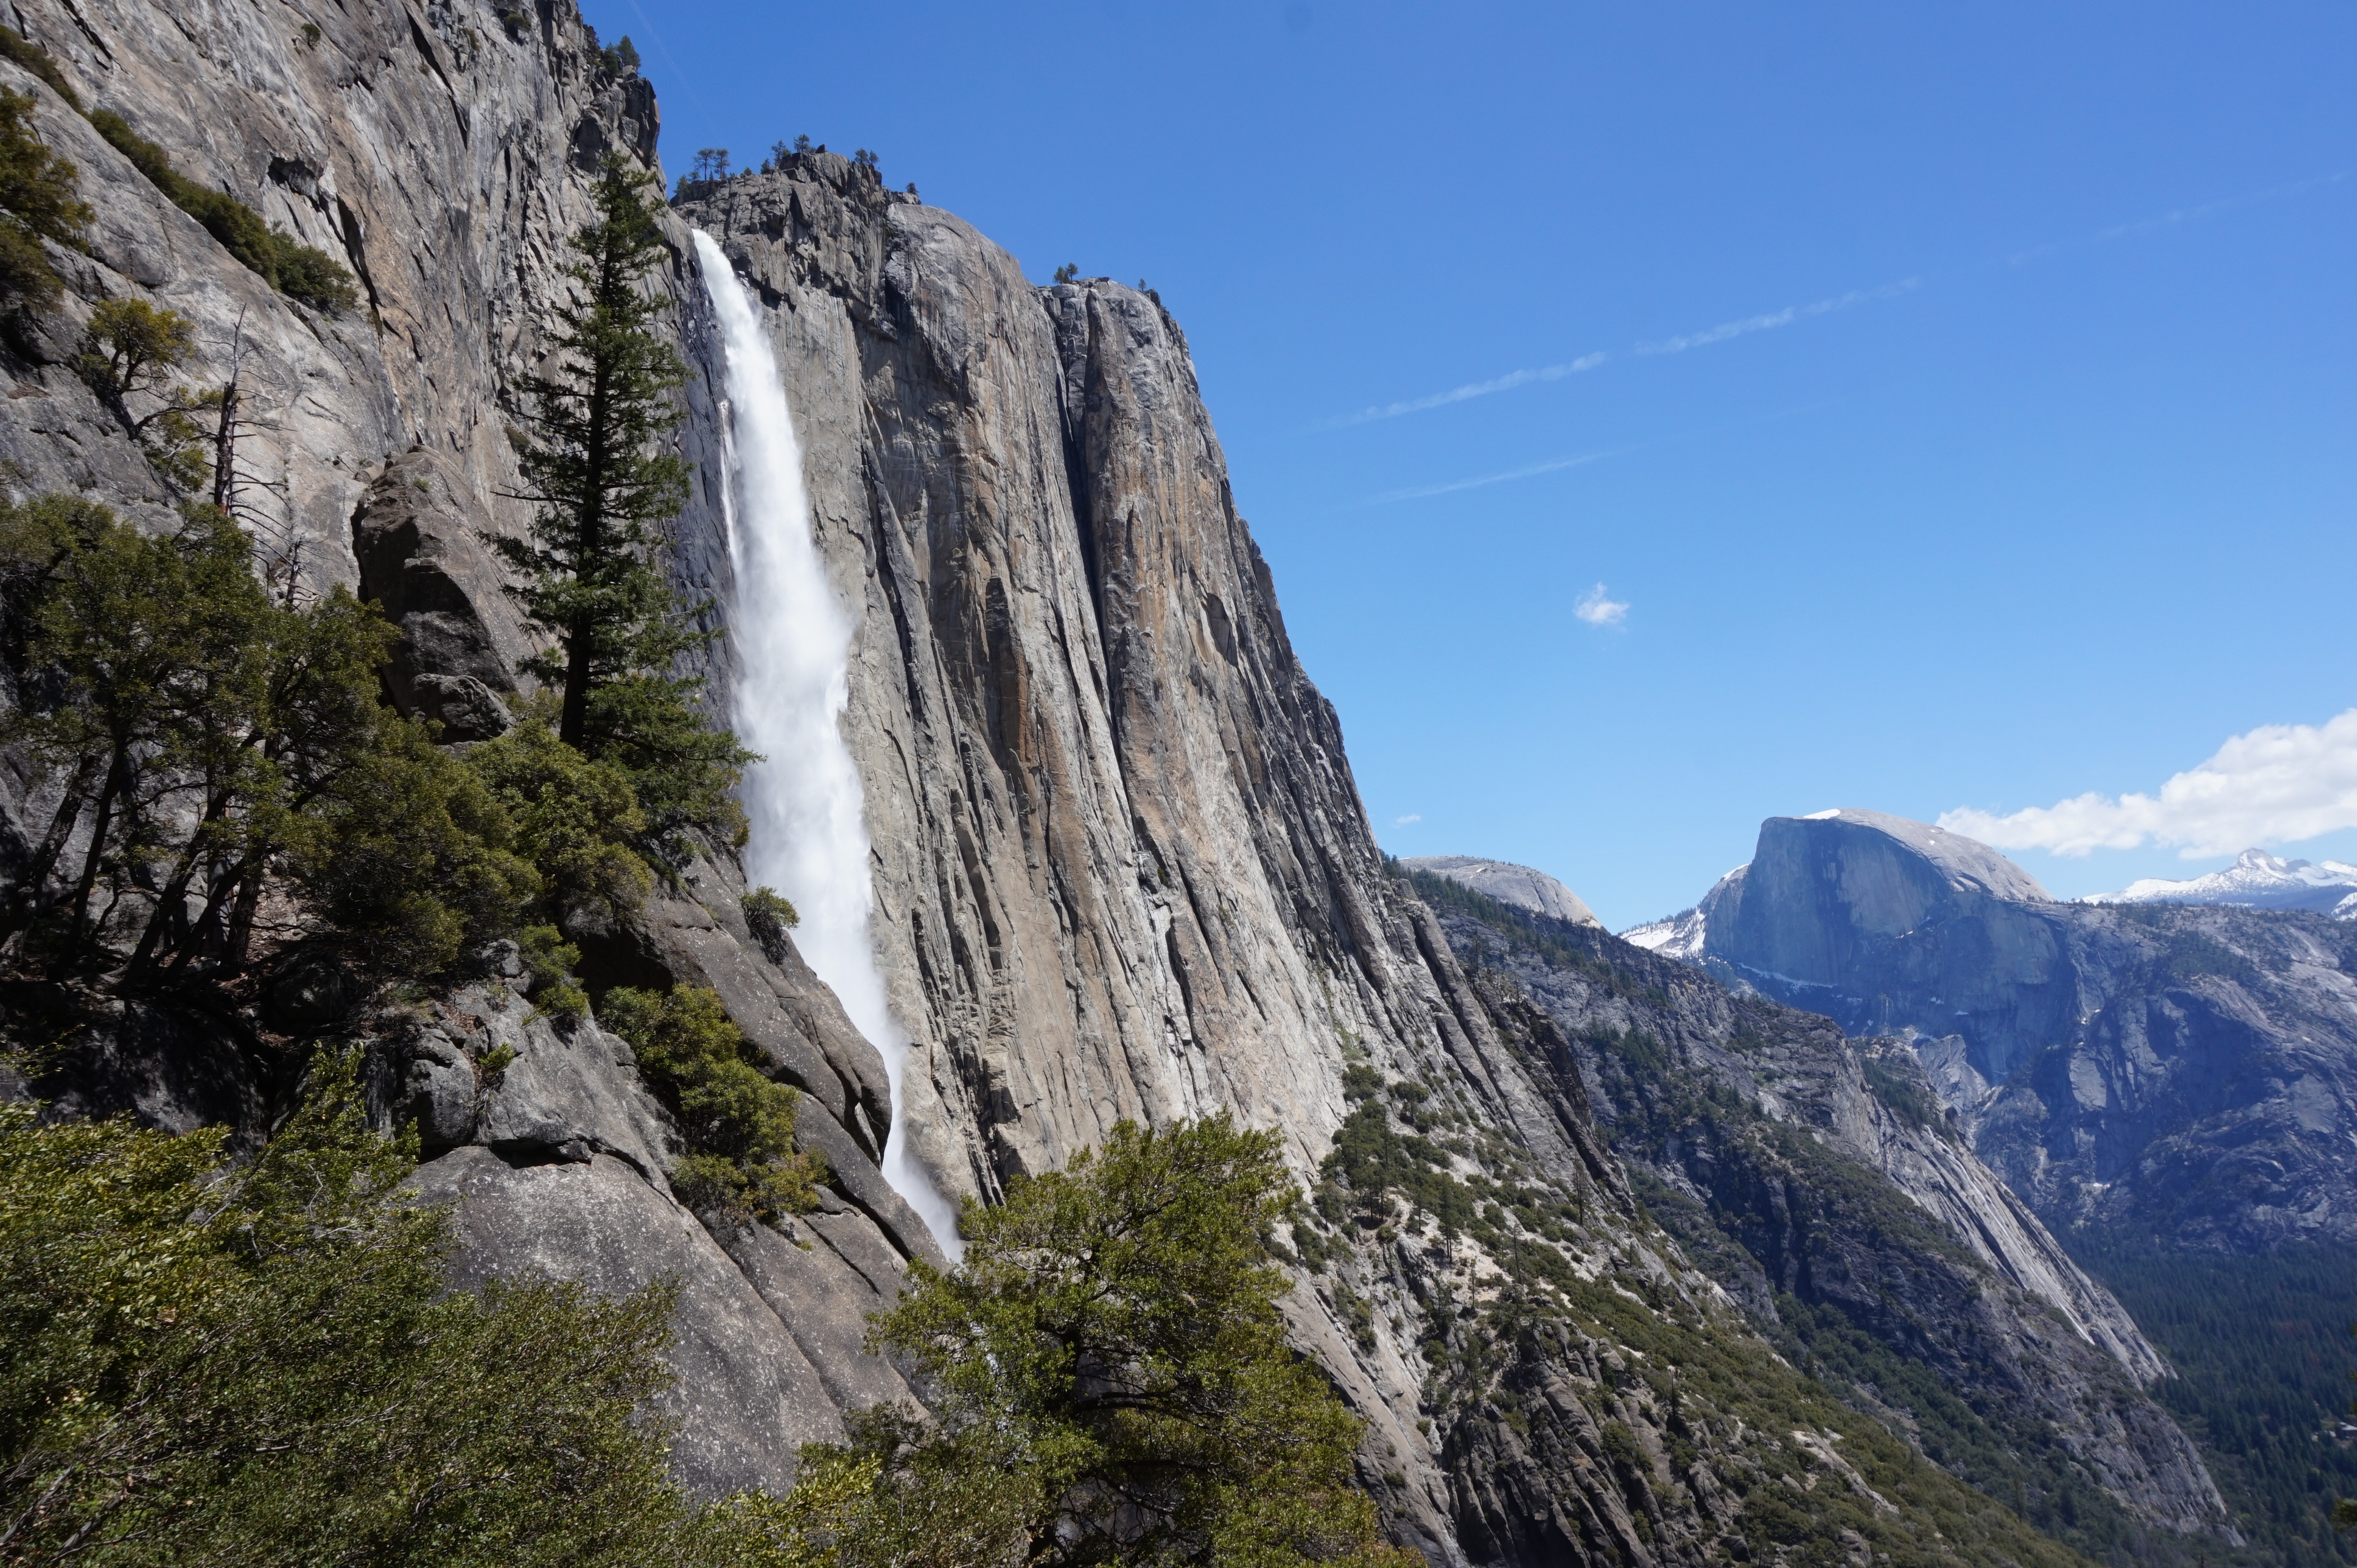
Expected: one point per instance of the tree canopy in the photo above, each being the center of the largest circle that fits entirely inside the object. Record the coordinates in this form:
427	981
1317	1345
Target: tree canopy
1110	1382
592	574
263	1365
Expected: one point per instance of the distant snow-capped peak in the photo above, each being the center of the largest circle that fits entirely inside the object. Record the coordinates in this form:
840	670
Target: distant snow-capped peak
2256	880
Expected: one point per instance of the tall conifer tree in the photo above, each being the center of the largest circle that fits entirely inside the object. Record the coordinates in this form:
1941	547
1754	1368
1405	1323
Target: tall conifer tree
604	408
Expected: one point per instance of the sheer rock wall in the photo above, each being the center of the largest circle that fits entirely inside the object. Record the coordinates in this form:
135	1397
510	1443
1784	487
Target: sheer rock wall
1120	868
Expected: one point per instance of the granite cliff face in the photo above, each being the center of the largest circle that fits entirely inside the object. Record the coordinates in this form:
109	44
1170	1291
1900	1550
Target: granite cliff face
441	153
1815	1180
1120	865
2183	1071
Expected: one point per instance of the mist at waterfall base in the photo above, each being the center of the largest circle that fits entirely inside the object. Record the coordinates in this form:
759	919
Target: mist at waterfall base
792	640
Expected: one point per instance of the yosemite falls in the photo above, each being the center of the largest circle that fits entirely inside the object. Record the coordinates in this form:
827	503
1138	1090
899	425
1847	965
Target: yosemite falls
793	638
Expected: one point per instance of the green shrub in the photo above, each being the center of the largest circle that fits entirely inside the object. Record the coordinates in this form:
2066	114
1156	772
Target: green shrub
770	917
299	271
573	819
205	1362
130	347
169	648
310	274
39	200
738	1123
1110	1381
548	962
36	59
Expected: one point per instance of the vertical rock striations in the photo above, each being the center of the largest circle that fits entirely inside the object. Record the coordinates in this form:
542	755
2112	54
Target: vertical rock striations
1120	868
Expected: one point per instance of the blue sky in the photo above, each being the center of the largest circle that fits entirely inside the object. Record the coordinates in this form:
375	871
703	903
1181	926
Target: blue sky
1973	426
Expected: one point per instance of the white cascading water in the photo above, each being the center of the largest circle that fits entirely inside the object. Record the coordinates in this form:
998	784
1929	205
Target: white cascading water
793	644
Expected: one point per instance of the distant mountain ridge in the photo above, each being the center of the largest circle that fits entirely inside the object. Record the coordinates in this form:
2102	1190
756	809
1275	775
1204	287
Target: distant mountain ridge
1509	883
1816	1180
2256	880
2167	1068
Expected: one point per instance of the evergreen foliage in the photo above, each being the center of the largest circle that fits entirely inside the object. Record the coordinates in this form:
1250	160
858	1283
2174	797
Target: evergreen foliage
1112	1384
205	735
205	1364
208	736
740	1125
769	917
300	270
39	198
620	60
130	348
24	52
2260	1344
593	579
573	819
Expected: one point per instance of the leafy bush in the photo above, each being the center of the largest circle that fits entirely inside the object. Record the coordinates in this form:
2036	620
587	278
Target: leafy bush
1112	1383
131	347
300	270
548	960
770	917
414	860
24	52
39	200
199	736
573	820
739	1125
203	1363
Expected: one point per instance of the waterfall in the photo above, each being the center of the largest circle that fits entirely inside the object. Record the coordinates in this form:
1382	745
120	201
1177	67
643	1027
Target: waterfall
793	643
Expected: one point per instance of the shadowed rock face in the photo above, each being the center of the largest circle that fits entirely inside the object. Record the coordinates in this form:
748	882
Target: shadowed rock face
1122	869
1948	930
2180	1070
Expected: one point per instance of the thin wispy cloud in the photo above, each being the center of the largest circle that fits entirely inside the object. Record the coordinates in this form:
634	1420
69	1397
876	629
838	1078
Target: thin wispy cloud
1598	607
1768	321
2179	216
1411	817
1773	319
2274	785
1421	491
1506	383
1677	345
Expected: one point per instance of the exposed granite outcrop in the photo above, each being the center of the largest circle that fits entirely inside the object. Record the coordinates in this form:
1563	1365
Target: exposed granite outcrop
1120	868
1797	1165
419	543
2159	1069
1509	883
444	155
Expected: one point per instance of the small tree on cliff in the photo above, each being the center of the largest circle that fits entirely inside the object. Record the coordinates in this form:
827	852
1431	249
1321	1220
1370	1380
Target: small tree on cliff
594	578
1109	1383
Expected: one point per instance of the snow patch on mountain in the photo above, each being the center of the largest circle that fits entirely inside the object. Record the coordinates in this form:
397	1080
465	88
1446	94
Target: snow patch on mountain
2256	880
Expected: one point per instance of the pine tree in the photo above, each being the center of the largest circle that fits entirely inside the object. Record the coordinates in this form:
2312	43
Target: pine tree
595	581
1109	1383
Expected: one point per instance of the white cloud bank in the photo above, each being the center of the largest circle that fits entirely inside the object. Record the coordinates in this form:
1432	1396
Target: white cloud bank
2278	784
1599	608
